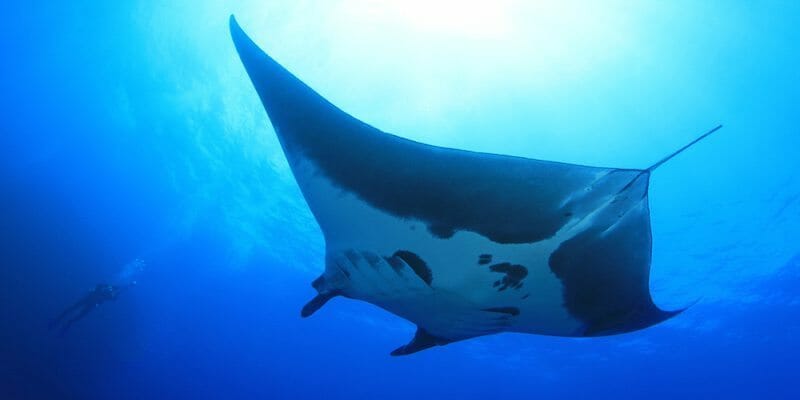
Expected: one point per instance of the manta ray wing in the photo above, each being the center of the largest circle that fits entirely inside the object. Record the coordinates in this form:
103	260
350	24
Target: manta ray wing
463	244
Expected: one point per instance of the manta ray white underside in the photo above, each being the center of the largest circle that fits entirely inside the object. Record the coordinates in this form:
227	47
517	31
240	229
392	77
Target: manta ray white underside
463	244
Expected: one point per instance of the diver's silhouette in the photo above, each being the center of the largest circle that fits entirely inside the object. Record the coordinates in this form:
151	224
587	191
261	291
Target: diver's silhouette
99	295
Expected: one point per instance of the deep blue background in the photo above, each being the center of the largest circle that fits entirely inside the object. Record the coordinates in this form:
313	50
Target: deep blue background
129	130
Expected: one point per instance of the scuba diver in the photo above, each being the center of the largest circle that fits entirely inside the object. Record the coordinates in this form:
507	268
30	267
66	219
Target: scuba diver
99	295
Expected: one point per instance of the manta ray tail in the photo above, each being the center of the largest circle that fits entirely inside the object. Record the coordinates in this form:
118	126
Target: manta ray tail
667	158
422	340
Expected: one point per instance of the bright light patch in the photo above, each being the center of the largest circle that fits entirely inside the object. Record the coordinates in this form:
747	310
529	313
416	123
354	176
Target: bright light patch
545	41
475	19
439	58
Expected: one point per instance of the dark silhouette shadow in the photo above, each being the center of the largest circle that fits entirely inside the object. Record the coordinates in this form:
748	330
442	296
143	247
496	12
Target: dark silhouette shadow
77	311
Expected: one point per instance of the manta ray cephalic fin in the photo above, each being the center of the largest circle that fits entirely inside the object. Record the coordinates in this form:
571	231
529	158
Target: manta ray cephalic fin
325	293
422	340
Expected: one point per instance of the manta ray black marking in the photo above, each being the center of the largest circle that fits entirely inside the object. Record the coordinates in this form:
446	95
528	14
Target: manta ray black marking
512	244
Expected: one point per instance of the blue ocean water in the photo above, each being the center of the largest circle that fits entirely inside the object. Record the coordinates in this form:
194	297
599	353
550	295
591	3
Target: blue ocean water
130	131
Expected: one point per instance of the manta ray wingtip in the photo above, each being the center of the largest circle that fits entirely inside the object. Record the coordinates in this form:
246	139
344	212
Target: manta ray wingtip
236	30
659	315
680	310
233	24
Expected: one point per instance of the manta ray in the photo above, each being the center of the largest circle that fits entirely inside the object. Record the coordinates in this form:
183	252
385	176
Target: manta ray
463	244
